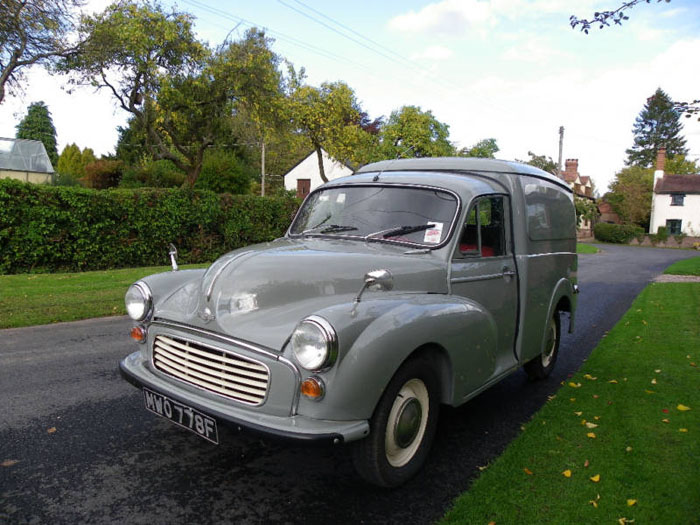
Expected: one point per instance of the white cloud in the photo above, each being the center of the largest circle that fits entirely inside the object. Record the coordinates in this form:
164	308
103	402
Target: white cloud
449	17
535	50
433	53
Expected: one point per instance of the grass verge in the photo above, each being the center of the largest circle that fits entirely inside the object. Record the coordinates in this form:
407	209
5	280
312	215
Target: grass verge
31	299
620	440
685	267
585	248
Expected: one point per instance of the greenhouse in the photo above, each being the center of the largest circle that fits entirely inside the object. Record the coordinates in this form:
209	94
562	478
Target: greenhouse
25	160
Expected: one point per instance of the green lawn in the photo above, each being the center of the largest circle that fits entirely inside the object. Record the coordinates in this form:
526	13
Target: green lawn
626	428
685	267
585	248
31	299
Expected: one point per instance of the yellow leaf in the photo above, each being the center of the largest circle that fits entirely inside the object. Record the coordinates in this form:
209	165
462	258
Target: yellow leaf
596	478
682	408
594	503
585	465
613	381
591	425
653	381
578	413
693	364
9	462
596	418
631	502
482	468
51	430
644	322
583	421
527	471
665	420
567	473
574	385
658	371
572	399
682	430
591	435
590	377
628	449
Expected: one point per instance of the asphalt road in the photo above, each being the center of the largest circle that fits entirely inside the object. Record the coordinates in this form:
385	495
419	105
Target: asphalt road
77	446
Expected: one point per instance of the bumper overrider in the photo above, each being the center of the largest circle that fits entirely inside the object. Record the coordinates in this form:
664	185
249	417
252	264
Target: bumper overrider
271	416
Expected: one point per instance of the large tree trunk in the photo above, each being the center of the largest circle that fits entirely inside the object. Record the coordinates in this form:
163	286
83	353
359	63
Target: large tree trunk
319	154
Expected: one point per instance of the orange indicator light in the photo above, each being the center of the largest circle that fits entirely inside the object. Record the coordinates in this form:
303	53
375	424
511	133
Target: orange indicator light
138	334
312	388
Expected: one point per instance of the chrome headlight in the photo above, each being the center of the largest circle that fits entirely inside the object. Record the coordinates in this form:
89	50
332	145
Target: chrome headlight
138	301
314	343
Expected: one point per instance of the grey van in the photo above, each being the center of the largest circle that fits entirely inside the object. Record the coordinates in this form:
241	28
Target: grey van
408	285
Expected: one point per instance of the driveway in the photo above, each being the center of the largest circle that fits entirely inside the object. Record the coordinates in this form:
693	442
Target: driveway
77	446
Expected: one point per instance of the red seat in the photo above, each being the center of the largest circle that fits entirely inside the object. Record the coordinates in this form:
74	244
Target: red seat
486	251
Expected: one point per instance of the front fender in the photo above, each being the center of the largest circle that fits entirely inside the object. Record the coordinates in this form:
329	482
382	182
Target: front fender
376	337
181	285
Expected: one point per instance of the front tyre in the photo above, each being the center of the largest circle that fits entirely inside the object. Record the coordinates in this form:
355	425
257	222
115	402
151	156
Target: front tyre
541	366
402	427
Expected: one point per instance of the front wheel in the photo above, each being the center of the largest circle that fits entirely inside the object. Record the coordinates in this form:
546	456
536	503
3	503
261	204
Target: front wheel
541	366
402	427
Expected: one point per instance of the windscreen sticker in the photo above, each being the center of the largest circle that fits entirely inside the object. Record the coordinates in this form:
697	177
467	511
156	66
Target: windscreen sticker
341	198
324	198
434	234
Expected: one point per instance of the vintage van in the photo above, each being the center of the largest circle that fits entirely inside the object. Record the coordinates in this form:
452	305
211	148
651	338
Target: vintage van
408	285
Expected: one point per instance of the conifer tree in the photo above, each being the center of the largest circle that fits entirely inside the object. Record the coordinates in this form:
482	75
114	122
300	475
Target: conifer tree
657	125
37	125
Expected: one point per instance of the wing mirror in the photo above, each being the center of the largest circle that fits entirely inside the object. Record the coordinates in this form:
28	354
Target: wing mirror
172	251
378	281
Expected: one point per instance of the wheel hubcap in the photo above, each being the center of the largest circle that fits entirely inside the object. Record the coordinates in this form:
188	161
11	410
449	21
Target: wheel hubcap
550	345
408	422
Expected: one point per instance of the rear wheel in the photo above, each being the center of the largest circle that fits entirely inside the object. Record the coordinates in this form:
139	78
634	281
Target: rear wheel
402	427
542	365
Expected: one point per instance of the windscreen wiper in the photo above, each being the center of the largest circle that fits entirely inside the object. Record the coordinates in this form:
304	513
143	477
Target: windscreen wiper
329	228
402	230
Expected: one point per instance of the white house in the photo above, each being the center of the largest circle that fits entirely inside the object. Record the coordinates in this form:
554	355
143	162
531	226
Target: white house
675	201
305	175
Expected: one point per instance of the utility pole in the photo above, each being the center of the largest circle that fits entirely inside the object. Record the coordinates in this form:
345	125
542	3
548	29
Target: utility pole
262	168
561	148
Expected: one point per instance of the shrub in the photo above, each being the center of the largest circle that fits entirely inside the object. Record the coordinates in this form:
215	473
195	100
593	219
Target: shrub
152	174
617	233
103	174
224	172
680	237
50	228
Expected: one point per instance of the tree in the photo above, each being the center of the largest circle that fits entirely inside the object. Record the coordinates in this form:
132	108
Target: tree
605	17
485	149
657	125
329	116
224	172
32	32
71	163
37	125
679	165
630	195
411	132
542	162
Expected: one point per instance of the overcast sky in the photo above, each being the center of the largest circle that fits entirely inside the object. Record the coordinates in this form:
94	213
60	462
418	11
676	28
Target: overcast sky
513	70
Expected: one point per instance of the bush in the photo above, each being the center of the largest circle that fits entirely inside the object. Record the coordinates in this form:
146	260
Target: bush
103	174
617	233
50	228
153	174
224	172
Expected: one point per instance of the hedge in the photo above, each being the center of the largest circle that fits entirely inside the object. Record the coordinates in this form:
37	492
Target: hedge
49	228
617	233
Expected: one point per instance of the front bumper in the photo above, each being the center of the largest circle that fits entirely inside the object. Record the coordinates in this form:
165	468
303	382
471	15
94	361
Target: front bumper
135	370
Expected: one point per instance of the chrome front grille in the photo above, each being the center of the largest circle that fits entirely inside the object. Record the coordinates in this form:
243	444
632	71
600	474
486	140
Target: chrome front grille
212	369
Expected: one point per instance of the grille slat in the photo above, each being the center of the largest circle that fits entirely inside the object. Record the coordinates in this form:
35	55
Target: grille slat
212	369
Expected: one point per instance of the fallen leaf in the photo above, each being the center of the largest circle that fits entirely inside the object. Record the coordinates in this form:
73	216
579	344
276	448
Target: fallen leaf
567	473
665	420
623	521
613	381
596	418
693	364
492	523
527	471
572	399
574	385
578	413
583	421
596	478
664	410
595	396
682	430
590	377
594	503
591	435
653	381
682	408
482	468
585	465
549	398
591	425
629	449
51	430
9	462
644	322
631	502
650	392
658	371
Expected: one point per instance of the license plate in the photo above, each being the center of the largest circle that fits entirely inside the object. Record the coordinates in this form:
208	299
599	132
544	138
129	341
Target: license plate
182	415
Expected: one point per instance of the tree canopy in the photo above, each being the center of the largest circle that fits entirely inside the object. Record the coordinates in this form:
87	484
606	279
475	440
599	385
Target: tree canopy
38	125
542	162
32	32
630	195
658	125
411	132
485	149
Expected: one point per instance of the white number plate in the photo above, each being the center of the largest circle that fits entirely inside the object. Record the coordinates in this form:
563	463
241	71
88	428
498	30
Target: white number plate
182	415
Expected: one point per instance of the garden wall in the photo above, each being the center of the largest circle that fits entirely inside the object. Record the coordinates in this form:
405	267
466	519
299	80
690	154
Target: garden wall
48	228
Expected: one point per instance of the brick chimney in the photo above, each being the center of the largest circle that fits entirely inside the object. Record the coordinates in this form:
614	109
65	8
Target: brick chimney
661	159
570	169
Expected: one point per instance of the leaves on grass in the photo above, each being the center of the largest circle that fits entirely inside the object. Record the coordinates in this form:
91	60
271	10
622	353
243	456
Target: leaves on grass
591	435
589	377
628	449
665	420
585	465
595	479
658	370
650	392
567	473
682	430
653	381
631	502
595	501
527	471
623	521
613	381
578	413
664	410
574	385
591	425
682	408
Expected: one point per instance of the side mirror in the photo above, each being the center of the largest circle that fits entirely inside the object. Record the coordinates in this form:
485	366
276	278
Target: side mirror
172	252
378	281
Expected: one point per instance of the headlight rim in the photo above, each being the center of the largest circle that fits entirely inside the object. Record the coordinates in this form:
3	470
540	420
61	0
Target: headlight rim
331	339
148	301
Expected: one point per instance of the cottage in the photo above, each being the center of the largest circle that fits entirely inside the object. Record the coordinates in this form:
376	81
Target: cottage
25	160
305	176
675	201
583	188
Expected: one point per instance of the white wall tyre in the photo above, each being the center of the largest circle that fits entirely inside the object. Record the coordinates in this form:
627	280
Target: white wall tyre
402	427
541	366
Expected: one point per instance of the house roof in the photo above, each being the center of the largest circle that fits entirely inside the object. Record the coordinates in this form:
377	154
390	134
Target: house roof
678	184
570	177
24	155
585	180
313	152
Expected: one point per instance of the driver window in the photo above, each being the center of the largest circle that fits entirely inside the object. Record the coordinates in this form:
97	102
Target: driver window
484	231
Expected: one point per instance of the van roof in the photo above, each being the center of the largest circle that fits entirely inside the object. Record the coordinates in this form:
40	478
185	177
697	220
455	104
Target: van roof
461	164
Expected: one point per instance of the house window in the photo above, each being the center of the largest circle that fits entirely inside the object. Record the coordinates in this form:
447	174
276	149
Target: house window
673	226
677	199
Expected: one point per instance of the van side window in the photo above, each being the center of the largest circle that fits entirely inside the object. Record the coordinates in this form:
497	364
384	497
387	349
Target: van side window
485	230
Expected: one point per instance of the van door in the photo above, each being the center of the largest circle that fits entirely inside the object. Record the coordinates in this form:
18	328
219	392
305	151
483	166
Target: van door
484	271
